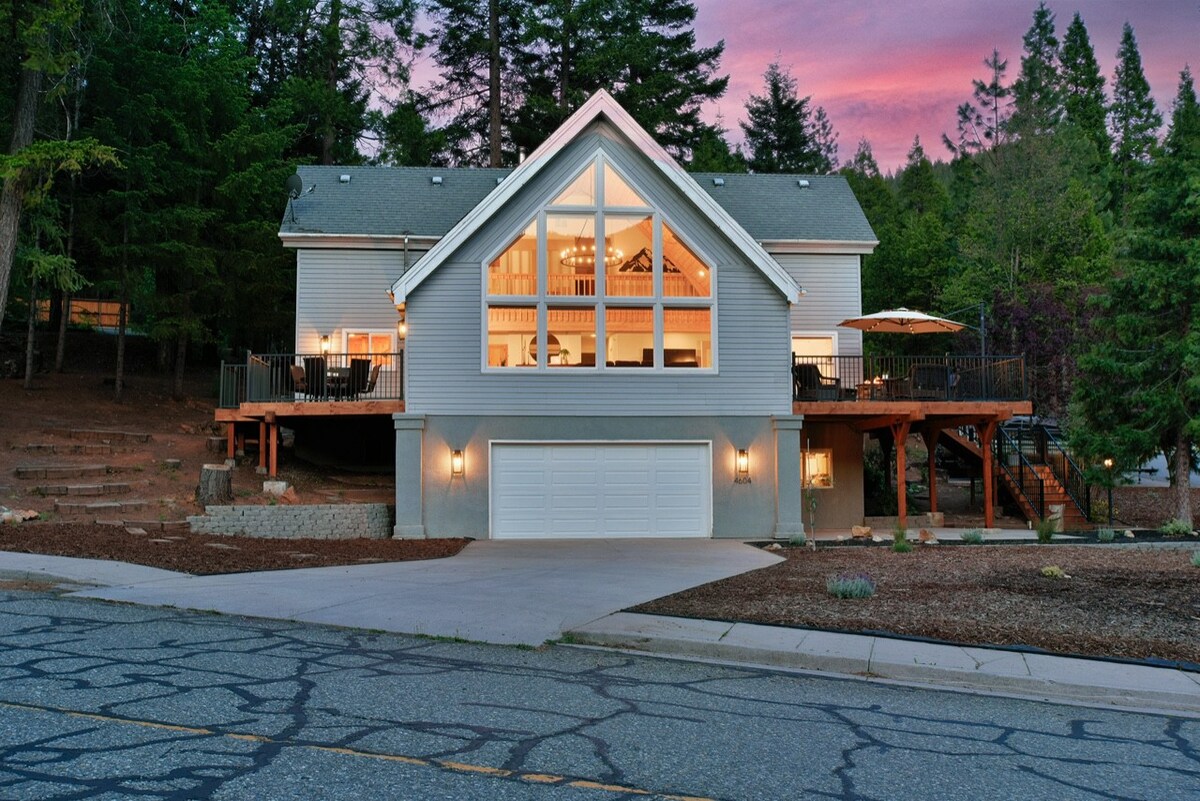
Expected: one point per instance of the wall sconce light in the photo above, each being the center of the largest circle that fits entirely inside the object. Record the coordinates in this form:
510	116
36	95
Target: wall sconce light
402	326
325	344
741	465
456	464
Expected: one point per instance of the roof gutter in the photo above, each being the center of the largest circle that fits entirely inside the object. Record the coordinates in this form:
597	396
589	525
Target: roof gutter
827	246
358	241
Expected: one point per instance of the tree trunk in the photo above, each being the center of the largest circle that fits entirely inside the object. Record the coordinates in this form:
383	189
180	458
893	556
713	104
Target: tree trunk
1181	481
494	135
180	363
14	192
60	347
333	38
30	331
216	485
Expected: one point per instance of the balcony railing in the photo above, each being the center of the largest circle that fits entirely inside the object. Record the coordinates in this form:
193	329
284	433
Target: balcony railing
301	377
903	378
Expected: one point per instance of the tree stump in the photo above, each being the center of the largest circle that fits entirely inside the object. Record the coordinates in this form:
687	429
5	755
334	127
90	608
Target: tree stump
216	485
215	444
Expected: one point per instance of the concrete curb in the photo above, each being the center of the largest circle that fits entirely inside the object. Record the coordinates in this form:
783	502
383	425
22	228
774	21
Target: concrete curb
1054	678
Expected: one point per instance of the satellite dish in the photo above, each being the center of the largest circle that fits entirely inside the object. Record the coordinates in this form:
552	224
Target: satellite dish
295	185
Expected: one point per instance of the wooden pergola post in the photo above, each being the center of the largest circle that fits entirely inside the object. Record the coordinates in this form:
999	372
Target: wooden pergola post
987	431
899	437
930	435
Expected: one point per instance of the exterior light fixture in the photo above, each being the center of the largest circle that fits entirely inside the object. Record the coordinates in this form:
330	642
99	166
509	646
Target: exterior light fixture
1108	465
456	464
325	344
741	466
402	326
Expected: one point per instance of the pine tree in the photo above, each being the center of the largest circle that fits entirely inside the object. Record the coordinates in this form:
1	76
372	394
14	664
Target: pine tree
982	123
713	153
1083	87
1037	92
1133	119
782	129
1141	393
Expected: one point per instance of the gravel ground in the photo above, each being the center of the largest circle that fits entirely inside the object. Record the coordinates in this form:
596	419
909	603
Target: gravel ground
205	555
1118	602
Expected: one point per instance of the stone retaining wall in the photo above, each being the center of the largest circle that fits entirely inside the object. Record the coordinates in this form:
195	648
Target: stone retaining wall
324	521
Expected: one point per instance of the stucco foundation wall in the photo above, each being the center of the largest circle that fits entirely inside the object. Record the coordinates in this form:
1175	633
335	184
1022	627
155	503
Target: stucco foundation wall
459	507
317	521
841	505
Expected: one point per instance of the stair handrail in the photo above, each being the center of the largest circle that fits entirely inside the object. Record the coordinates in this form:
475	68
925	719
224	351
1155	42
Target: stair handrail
1074	482
1001	444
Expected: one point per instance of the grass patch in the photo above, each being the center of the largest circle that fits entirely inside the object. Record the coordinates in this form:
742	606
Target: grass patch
1045	530
972	537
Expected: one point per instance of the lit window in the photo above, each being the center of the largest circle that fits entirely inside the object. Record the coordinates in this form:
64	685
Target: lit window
818	468
376	344
599	280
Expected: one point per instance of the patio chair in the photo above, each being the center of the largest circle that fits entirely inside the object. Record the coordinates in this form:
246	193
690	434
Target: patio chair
299	384
929	382
809	384
315	375
373	380
356	381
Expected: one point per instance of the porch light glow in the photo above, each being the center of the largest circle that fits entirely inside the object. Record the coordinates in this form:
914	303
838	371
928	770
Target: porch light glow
325	344
402	326
456	464
584	255
742	466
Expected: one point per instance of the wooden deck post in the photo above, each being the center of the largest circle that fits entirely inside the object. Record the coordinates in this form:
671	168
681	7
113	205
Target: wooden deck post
272	426
987	431
930	435
229	434
262	445
899	437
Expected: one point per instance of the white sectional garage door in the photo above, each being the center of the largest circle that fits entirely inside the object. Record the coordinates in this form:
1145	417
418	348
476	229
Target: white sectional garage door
576	490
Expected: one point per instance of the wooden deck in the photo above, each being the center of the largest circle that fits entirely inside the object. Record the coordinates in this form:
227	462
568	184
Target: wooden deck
893	421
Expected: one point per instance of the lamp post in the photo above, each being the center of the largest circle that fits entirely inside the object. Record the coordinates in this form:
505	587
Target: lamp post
1108	465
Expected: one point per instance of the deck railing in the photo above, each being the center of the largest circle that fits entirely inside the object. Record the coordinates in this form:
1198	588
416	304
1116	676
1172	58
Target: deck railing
943	378
303	377
1011	458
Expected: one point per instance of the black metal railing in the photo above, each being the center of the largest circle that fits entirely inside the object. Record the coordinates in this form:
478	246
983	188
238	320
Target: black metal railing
299	377
1041	445
1012	460
945	378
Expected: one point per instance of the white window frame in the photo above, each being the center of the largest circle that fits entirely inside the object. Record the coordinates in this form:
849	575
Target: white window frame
804	468
372	332
601	301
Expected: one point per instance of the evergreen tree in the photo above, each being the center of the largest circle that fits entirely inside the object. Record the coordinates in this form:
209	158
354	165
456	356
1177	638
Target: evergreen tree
713	153
882	270
1133	119
1141	395
1083	87
782	131
642	51
982	123
1037	92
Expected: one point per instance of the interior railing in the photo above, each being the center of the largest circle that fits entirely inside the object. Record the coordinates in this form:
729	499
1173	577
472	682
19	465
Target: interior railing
301	377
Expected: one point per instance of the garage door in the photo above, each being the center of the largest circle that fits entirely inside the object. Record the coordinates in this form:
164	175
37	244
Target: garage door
555	490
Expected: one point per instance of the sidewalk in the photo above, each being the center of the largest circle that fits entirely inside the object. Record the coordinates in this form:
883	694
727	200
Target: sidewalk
576	600
1054	678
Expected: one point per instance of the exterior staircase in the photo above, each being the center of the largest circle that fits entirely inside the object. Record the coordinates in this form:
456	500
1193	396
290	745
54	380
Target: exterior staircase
1034	469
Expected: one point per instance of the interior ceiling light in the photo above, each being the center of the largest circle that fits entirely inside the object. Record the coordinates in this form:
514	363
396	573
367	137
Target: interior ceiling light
583	254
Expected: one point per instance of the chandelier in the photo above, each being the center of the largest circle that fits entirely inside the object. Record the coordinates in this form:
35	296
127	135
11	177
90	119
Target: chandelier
584	255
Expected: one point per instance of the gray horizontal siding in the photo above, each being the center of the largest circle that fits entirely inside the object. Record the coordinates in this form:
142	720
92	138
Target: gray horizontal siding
834	294
338	290
751	334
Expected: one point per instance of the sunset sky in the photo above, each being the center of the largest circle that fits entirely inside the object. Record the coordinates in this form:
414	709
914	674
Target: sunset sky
892	69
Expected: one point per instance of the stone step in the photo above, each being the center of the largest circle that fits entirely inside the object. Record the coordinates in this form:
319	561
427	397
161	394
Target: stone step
72	448
97	435
110	488
96	507
62	470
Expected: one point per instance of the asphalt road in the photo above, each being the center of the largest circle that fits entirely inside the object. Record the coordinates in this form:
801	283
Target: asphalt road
102	701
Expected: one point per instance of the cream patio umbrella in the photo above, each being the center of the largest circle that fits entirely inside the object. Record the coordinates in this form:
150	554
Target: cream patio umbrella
902	321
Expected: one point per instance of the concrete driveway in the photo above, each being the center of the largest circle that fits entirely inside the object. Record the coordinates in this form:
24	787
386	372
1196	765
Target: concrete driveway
501	592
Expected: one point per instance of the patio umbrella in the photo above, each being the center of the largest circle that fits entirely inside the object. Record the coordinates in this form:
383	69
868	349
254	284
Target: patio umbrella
902	321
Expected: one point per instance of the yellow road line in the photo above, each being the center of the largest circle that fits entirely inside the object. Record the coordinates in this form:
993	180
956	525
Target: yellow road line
443	764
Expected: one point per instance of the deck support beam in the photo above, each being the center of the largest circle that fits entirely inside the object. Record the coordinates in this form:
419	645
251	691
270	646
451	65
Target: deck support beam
987	432
900	429
930	435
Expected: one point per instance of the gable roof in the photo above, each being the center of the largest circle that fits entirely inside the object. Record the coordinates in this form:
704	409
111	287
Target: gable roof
778	208
601	104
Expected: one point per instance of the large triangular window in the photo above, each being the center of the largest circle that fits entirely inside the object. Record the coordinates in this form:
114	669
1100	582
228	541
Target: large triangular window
599	280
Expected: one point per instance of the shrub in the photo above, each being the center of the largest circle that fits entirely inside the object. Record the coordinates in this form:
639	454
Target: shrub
1045	530
1106	535
1195	558
1175	528
902	546
850	585
972	537
798	540
1054	571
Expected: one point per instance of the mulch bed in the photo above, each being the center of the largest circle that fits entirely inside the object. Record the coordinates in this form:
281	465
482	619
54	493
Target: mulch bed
201	554
1119	602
